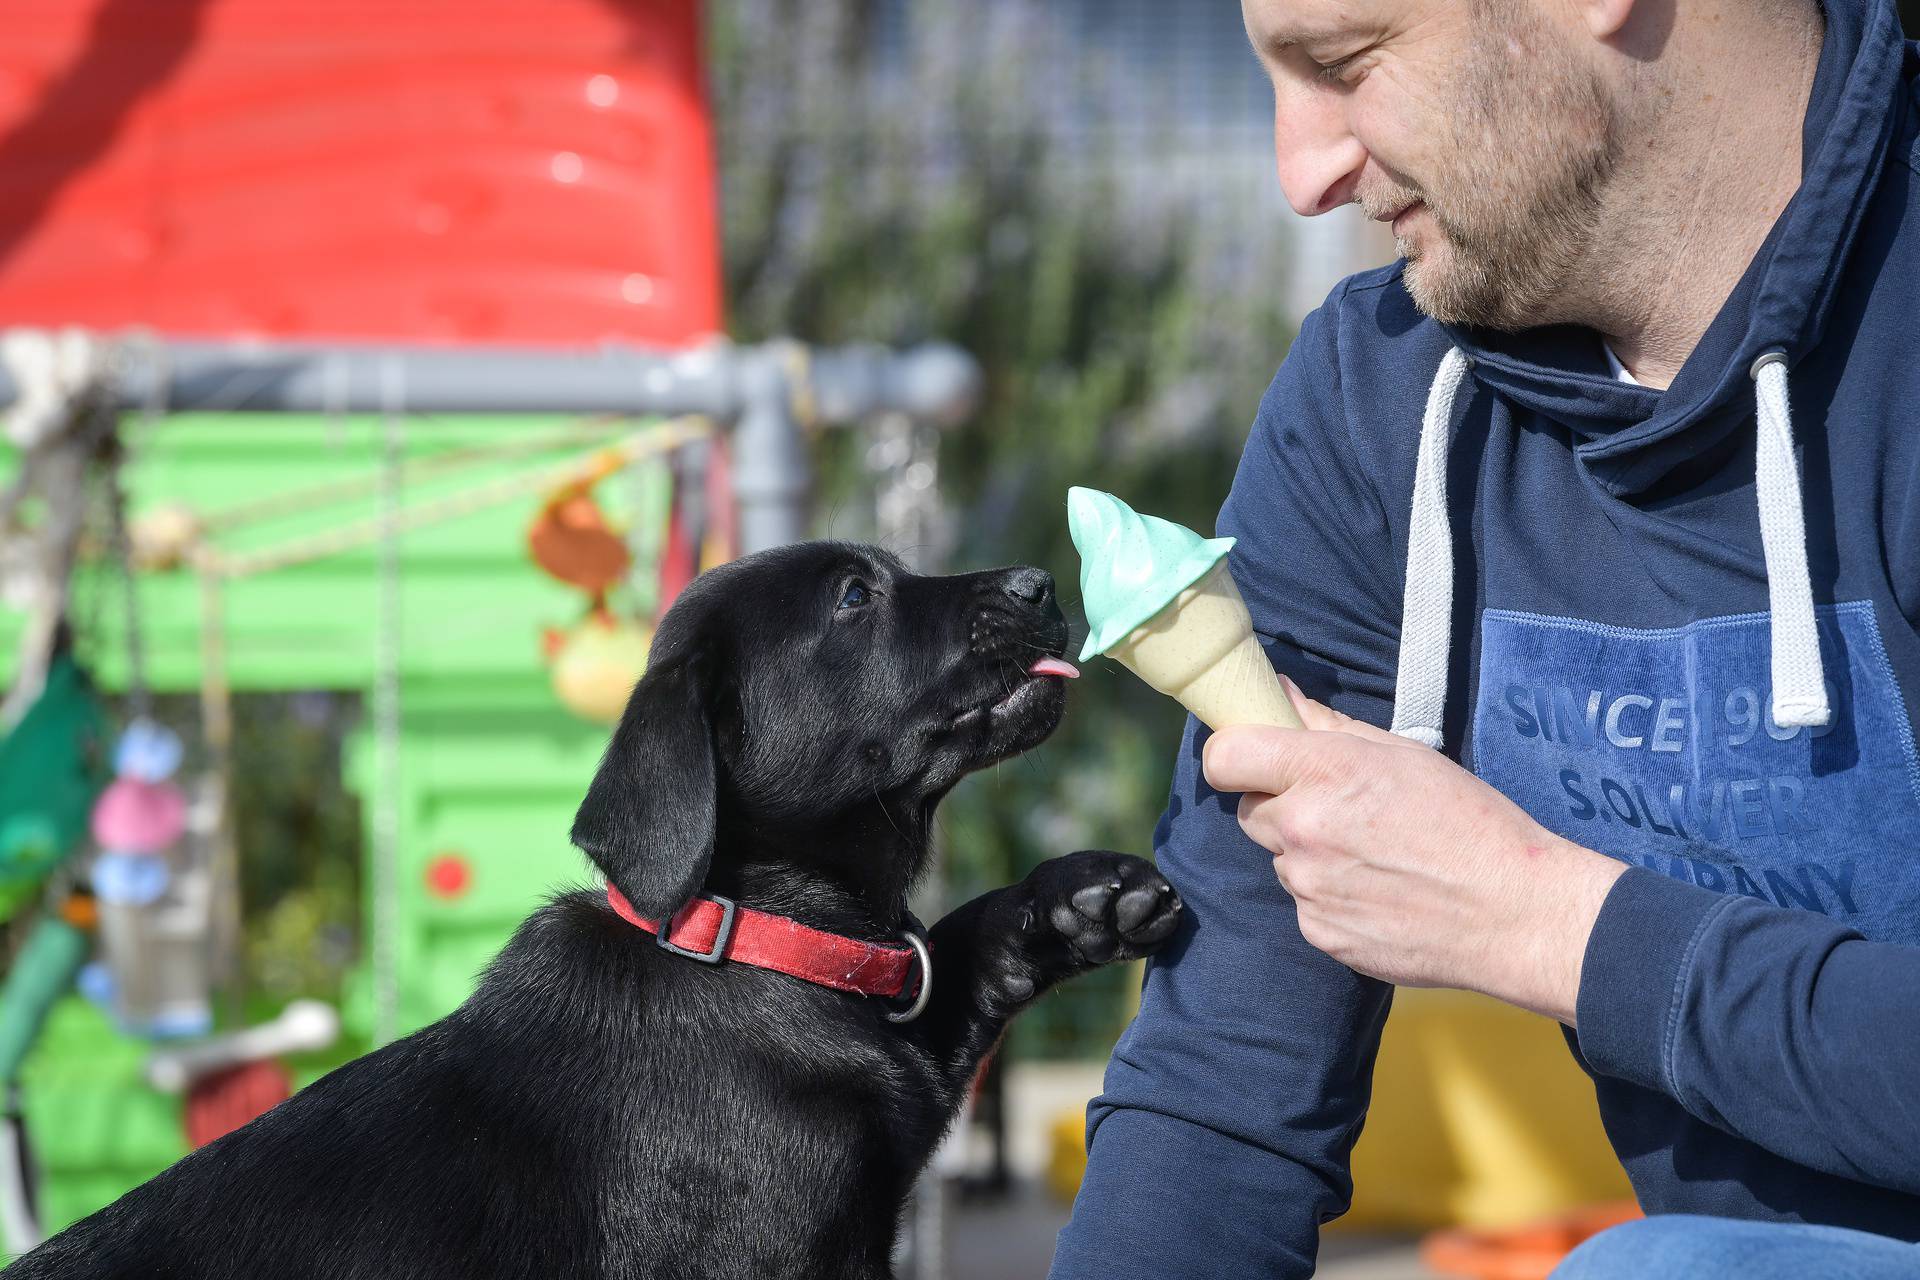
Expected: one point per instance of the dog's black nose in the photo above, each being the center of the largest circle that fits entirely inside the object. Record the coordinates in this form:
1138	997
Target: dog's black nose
1029	586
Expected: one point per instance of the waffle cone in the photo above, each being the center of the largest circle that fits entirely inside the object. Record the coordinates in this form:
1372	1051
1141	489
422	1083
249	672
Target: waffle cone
1200	650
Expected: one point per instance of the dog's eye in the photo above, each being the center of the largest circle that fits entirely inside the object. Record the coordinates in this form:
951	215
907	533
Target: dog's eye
856	596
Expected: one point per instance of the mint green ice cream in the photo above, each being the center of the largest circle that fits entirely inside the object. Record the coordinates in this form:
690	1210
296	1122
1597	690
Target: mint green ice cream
1131	566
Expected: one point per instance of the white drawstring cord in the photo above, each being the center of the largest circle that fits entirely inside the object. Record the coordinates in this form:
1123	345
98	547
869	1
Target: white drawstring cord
1426	615
1799	681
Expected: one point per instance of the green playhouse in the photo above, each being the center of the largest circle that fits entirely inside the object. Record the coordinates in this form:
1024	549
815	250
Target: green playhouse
349	347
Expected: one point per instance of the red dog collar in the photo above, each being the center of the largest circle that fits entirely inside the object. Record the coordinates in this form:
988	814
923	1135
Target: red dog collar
712	928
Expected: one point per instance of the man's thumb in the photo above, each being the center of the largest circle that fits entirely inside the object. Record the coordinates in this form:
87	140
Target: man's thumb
1254	757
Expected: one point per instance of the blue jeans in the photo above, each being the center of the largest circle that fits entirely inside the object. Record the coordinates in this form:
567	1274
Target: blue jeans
1677	1246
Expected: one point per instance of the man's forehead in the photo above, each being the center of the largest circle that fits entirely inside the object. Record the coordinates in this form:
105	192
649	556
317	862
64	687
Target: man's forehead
1276	25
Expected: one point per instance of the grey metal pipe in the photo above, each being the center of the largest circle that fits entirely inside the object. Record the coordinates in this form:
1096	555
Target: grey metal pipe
933	383
772	475
766	394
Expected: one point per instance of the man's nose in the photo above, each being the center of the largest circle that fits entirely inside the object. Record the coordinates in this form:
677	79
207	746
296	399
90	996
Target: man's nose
1029	586
1317	157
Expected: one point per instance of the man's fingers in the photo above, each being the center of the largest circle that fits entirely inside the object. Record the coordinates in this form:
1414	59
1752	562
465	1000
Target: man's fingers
1317	715
1251	757
1314	715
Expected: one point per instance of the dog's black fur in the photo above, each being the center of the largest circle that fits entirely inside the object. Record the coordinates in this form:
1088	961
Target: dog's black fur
602	1107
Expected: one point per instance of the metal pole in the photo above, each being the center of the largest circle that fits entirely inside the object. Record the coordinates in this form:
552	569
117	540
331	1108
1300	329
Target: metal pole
216	724
771	474
387	795
767	393
932	383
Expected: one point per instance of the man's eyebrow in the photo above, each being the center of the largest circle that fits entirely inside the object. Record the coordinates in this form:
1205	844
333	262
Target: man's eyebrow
1278	42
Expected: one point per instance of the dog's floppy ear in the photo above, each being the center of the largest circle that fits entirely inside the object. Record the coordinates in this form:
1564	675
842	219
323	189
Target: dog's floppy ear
648	818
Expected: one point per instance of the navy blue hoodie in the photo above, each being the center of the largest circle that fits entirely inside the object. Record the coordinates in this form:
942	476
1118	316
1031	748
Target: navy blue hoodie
1750	1002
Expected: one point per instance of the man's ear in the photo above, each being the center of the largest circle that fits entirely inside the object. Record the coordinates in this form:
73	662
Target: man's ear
1607	19
648	818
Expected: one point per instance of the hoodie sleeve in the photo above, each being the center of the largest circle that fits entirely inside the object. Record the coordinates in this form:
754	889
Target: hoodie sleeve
1220	1142
1782	1027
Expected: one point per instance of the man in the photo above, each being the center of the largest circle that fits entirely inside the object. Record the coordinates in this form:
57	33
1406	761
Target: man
1610	489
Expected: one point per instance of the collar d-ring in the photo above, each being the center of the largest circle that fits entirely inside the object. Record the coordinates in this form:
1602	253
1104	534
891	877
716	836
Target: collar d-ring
919	1006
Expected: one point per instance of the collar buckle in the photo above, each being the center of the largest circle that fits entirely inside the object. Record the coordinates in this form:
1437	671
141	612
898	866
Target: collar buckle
721	936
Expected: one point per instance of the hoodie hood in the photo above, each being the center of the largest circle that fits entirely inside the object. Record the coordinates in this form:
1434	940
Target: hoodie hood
1631	437
1627	438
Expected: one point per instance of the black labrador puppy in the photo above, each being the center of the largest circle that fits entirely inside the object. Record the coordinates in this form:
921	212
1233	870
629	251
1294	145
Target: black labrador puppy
606	1107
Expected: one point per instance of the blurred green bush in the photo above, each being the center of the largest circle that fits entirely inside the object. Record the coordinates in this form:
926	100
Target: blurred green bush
953	169
980	173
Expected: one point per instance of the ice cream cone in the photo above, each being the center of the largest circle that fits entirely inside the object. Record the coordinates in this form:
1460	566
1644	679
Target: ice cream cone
1201	651
1161	600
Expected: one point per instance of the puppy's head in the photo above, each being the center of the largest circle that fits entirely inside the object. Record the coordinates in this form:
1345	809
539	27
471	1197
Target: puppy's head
790	687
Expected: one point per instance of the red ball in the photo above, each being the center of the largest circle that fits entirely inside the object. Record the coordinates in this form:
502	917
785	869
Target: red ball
219	1103
449	876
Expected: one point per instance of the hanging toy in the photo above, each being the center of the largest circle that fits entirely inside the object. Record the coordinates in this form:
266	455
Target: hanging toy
152	923
41	974
164	537
570	538
597	660
596	663
52	766
137	817
133	816
130	879
147	751
30	847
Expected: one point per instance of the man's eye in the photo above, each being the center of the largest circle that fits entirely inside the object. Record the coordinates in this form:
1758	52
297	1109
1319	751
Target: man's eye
855	597
1340	71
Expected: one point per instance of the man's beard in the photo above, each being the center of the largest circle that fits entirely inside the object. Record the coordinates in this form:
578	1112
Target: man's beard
1532	144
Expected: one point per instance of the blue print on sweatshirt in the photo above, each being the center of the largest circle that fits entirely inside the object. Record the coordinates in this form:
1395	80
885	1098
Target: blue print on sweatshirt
1657	747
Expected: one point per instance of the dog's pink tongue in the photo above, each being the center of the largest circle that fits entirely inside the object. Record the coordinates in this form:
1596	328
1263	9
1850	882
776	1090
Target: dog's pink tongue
1053	667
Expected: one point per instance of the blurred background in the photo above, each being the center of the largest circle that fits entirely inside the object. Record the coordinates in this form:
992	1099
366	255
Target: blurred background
378	374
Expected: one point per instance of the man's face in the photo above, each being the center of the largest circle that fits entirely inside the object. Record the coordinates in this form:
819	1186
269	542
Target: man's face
1480	128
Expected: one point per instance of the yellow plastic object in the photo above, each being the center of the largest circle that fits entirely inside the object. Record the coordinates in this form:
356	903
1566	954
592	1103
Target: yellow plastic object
1066	1154
598	663
1480	1118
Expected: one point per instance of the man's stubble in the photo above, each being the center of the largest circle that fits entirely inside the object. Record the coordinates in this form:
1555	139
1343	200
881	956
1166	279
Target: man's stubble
1528	146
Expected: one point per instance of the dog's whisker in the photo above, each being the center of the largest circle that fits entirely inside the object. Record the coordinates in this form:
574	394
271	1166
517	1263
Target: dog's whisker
1033	764
888	812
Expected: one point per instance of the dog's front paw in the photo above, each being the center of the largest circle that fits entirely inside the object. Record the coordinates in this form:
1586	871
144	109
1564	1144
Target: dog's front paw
1105	906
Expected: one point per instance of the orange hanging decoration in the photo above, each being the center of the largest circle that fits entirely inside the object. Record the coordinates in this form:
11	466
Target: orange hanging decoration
595	662
570	540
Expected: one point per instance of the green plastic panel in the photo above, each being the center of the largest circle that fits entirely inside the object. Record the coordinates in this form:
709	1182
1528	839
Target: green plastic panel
490	766
95	1128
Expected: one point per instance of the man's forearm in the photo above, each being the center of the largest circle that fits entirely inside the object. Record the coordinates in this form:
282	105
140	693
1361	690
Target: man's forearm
1784	1027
